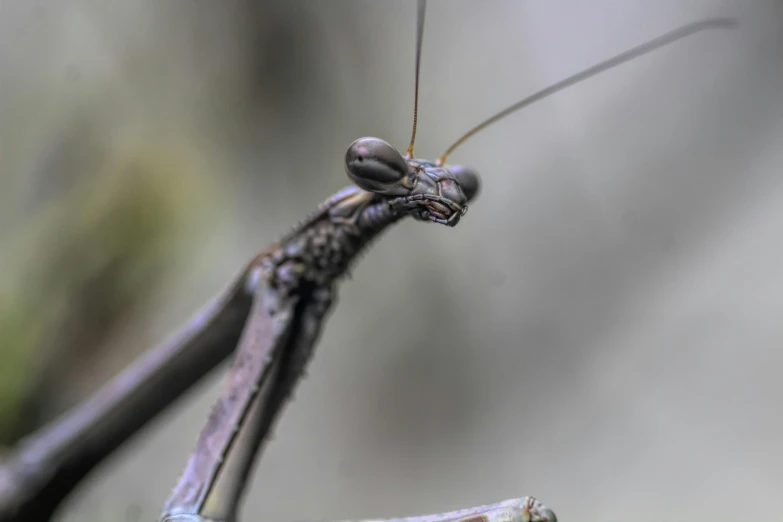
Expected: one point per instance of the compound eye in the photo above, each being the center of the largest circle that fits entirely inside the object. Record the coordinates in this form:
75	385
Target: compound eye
468	180
375	165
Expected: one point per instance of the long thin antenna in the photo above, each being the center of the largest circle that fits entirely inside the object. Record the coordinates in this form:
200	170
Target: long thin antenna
630	54
419	37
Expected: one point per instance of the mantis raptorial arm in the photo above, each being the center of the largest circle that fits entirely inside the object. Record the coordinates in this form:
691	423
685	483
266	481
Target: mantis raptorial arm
214	477
525	509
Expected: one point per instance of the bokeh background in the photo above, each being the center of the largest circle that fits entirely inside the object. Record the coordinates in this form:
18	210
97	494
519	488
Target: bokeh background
602	331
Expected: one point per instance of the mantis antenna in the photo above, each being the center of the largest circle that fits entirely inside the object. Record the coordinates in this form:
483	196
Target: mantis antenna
419	36
649	46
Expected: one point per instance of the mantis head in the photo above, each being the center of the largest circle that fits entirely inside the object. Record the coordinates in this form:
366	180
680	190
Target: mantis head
426	190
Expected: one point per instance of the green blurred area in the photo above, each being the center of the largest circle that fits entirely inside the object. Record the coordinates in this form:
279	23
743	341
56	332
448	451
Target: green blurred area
84	263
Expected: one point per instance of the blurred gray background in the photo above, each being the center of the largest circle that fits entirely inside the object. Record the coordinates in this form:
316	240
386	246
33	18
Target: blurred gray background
603	330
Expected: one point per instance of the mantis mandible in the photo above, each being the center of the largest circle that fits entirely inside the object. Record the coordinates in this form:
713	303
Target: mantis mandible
270	316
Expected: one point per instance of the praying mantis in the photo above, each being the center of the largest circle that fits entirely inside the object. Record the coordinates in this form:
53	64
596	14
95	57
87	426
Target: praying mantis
270	318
